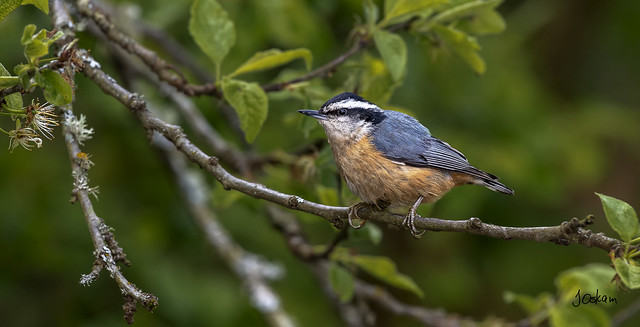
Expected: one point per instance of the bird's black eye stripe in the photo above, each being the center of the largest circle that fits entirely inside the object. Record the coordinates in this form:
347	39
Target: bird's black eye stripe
361	113
338	112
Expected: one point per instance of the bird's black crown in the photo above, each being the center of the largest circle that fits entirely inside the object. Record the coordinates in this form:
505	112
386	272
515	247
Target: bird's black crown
345	96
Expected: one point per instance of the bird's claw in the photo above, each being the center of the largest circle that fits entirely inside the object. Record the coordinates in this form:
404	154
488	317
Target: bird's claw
353	213
409	220
409	223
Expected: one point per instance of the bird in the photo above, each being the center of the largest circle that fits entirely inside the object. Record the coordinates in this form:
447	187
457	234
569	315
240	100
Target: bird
389	159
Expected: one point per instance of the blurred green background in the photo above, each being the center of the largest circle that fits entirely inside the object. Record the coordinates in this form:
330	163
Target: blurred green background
555	116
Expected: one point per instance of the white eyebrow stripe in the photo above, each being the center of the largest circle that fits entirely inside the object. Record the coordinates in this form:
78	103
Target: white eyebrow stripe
351	103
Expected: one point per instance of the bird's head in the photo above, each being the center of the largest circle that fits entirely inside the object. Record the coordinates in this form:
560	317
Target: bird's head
347	116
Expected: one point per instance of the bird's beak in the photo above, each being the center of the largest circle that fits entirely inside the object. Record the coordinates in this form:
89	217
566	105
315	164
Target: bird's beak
313	113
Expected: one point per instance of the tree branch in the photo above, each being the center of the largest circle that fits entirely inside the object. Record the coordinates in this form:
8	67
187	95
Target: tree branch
297	242
328	68
166	71
10	90
170	74
322	71
568	232
107	251
572	232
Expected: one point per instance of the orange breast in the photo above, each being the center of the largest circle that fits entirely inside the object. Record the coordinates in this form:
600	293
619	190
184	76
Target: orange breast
373	177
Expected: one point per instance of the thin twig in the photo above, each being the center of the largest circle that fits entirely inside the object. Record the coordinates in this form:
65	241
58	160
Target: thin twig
10	90
322	71
328	68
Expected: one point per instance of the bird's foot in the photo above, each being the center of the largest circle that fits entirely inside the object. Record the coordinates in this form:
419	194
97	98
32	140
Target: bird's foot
409	220
353	215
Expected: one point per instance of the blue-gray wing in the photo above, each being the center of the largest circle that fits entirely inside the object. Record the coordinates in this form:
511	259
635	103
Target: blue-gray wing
403	139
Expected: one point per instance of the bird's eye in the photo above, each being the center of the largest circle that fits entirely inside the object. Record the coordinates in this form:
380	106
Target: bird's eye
342	112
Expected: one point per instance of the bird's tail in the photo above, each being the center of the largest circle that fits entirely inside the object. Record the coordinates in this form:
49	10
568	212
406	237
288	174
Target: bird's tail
496	186
487	180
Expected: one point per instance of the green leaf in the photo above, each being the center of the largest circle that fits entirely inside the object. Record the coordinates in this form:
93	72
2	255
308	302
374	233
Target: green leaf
55	37
621	216
465	46
273	58
22	70
341	281
384	269
463	10
56	90
251	105
7	6
35	46
629	272
14	101
42	35
396	11
35	49
393	51
375	82
8	81
587	279
43	5
484	23
371	14
27	34
212	29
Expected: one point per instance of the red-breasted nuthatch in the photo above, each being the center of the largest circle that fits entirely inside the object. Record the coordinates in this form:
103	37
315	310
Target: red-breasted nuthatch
388	158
